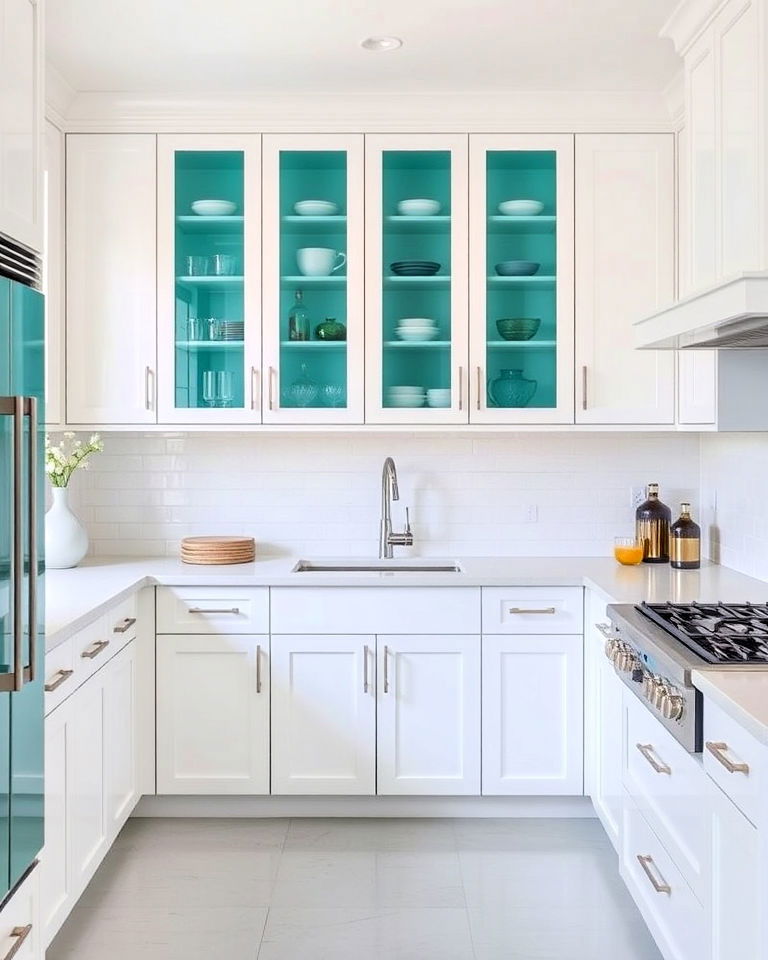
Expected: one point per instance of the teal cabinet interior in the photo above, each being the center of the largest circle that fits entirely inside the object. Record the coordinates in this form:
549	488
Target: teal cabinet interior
209	290
526	247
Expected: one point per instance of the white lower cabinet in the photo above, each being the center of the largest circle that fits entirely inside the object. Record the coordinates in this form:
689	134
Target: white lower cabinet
212	714
56	876
532	697
121	783
428	731
21	935
323	714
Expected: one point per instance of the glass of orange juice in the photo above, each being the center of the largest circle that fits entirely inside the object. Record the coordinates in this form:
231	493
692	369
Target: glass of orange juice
628	551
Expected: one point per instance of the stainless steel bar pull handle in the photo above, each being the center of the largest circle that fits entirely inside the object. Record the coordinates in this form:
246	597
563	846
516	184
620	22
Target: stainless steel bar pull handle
648	752
271	383
19	934
61	677
90	653
148	392
234	610
17	573
547	610
719	752
461	387
258	668
479	387
254	388
124	626
584	387
386	669
659	885
365	668
32	521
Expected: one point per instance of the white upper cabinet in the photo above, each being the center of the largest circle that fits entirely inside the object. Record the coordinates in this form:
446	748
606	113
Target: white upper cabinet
625	268
416	279
428	731
21	121
209	279
521	280
111	331
53	276
313	268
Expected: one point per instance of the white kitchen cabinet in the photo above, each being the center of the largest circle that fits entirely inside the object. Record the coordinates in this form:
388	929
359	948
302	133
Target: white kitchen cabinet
213	714
625	269
111	290
53	275
21	122
603	747
428	731
21	936
56	874
402	167
311	380
323	714
521	381
121	789
532	715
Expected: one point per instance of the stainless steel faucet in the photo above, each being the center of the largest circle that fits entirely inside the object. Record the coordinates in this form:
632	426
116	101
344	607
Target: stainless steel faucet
389	492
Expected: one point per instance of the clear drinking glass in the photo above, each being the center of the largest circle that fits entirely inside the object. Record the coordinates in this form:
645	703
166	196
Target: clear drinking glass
215	329
223	265
224	388
194	328
628	551
197	266
210	395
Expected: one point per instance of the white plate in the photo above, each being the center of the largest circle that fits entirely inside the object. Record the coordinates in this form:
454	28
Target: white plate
213	208
316	208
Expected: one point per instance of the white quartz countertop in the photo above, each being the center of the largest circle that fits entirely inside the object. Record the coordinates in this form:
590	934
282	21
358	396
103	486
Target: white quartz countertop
76	597
742	694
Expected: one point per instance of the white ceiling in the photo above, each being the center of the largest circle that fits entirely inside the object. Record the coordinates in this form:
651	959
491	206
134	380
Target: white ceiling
289	46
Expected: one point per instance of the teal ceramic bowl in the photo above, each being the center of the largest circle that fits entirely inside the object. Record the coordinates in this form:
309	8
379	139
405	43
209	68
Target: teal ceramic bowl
517	268
518	328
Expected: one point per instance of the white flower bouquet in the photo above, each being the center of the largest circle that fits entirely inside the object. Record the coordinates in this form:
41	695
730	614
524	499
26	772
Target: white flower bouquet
61	460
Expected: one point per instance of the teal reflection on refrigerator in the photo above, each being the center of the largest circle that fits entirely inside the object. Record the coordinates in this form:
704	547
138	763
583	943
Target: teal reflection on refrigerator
21	592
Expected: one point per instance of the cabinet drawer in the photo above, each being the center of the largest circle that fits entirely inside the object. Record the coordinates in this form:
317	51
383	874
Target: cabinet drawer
60	679
735	760
20	933
91	648
533	610
673	914
671	790
211	610
121	623
356	610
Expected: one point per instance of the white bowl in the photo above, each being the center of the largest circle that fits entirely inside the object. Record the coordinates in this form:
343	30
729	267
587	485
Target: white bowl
416	322
441	402
521	208
316	208
417	336
403	390
213	208
418	208
439	393
414	401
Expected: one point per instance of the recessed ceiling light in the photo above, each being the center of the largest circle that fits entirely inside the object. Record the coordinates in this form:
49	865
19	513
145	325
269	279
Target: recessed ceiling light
381	44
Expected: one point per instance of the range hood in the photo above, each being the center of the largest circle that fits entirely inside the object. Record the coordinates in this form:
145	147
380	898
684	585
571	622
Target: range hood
732	315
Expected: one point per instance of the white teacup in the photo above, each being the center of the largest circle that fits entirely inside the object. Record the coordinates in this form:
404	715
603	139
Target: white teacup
319	261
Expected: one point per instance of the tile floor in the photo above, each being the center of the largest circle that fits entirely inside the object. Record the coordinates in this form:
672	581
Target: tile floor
357	890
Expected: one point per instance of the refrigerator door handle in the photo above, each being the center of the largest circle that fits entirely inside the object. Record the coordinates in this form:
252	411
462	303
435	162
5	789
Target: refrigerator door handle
18	544
32	521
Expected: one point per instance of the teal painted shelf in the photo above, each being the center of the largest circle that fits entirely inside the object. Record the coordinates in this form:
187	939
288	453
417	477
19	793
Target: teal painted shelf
210	344
417	345
314	225
418	283
203	225
327	283
521	225
428	225
535	281
522	344
211	281
314	344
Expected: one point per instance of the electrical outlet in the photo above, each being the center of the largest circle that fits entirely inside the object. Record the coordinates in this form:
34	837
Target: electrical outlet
637	495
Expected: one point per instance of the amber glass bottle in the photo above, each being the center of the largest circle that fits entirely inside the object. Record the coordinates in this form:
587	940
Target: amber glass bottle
685	541
652	522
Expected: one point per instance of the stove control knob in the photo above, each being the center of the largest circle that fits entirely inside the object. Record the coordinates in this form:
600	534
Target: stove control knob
627	661
638	675
660	694
610	649
672	706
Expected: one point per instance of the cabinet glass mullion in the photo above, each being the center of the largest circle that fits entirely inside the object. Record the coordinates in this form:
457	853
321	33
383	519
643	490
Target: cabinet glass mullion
313	279
416	355
521	356
209	348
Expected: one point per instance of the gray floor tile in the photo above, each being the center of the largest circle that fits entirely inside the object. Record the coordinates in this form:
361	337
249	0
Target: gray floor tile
371	834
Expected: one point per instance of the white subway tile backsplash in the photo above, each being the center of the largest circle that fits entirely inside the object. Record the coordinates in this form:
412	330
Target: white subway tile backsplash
320	494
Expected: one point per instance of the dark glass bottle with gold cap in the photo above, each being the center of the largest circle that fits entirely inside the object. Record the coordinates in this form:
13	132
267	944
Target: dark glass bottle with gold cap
652	522
685	541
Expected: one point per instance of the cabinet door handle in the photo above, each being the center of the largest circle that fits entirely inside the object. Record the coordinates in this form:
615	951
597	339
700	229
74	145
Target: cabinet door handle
365	668
124	626
254	388
61	677
271	382
547	610
19	934
233	610
258	668
461	387
584	387
648	752
90	653
660	886
479	386
148	392
719	752
386	669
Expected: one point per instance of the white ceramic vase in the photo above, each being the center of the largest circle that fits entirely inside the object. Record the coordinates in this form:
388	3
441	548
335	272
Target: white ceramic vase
66	541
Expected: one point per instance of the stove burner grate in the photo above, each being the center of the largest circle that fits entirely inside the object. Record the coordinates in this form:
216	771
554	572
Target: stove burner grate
717	632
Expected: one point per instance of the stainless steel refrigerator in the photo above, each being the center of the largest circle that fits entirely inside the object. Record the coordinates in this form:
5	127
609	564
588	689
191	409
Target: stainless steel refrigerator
21	564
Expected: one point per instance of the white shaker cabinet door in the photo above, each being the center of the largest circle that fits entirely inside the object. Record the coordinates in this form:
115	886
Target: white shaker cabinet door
111	279
120	740
323	715
429	715
55	879
625	269
212	714
532	715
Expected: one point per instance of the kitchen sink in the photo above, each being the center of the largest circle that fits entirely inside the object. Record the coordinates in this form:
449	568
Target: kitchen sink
377	566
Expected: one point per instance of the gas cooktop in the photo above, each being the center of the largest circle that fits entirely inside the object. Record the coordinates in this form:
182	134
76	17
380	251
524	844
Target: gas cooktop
724	633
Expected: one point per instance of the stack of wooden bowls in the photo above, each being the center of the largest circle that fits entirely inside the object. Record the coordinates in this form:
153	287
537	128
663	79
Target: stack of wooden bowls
210	550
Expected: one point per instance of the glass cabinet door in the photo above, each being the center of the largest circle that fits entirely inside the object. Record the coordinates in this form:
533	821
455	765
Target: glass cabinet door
521	290
208	282
416	294
313	279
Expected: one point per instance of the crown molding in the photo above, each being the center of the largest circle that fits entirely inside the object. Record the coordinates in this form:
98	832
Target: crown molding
535	111
59	95
688	21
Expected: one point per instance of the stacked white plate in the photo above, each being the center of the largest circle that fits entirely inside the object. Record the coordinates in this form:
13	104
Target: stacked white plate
439	397
232	329
406	396
416	329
